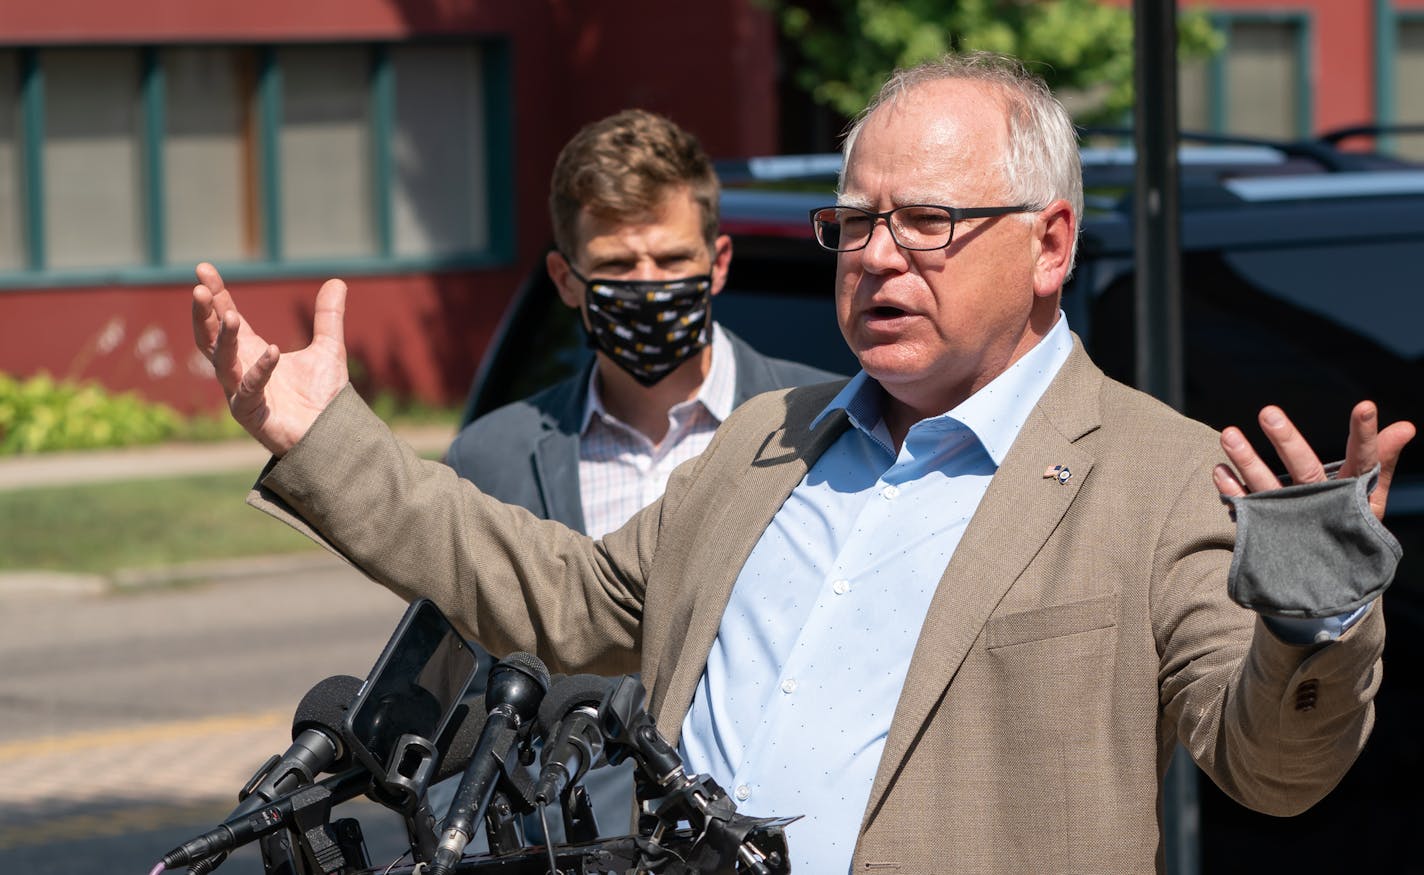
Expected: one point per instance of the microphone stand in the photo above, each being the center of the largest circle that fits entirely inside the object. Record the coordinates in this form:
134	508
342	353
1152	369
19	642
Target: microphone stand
313	844
724	841
579	823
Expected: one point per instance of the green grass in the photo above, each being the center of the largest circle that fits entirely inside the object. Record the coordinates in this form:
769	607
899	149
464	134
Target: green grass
108	527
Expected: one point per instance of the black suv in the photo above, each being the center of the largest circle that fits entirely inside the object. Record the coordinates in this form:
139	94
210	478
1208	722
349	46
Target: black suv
1299	288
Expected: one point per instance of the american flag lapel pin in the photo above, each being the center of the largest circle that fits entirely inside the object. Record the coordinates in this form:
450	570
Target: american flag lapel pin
1057	472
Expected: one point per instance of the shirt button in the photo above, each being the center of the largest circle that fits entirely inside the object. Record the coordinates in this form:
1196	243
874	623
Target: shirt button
840	587
788	685
743	792
890	492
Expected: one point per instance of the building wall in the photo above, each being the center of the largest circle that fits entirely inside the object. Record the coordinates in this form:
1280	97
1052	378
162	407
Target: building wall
412	328
1347	74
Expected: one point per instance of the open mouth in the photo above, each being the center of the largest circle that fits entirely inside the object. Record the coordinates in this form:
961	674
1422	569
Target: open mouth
885	312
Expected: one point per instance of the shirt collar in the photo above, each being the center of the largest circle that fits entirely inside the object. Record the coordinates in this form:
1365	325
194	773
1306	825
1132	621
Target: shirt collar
995	413
717	393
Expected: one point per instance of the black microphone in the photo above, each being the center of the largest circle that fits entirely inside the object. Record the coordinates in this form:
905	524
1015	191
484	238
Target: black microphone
463	741
316	748
568	718
316	743
517	685
279	813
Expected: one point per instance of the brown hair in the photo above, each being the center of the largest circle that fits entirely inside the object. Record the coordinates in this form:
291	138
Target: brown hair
622	167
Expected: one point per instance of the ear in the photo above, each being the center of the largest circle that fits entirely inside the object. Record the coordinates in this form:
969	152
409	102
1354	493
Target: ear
1055	229
721	261
571	291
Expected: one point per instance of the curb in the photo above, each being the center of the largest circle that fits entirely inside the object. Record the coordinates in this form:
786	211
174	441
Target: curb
33	584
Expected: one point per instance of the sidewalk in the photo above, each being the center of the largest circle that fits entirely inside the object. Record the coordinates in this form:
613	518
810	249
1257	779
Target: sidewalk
164	460
168	460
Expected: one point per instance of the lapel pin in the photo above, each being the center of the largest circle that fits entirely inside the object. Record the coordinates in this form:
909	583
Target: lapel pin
1057	472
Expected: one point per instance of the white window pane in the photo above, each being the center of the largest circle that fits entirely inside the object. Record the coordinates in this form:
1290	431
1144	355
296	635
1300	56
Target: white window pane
325	152
439	197
12	240
92	189
1263	79
208	186
1409	86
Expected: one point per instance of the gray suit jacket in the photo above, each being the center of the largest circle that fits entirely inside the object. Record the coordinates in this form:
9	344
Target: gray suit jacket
1079	632
527	453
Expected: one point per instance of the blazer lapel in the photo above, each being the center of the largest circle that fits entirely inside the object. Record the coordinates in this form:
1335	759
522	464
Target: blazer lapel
556	454
780	460
1019	511
556	470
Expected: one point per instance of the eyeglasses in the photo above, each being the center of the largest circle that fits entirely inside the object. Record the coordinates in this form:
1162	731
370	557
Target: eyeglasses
920	227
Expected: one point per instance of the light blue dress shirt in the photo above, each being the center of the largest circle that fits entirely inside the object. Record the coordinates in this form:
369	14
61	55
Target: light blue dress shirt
793	710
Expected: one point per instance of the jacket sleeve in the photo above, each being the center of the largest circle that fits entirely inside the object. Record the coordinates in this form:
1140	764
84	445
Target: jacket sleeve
506	578
1275	725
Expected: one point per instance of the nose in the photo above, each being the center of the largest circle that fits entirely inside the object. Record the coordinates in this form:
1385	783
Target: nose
647	269
881	253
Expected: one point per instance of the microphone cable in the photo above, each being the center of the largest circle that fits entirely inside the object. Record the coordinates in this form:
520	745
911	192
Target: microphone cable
548	841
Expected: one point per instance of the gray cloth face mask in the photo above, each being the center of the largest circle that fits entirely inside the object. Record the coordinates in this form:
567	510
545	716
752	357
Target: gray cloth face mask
1313	550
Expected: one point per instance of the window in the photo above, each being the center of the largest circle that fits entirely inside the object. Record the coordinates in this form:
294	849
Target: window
439	165
1193	95
1265	79
324	152
209	196
145	160
1258	85
1408	74
93	212
12	254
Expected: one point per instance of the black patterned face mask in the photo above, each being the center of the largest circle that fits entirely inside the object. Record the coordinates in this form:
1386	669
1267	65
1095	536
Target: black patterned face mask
648	327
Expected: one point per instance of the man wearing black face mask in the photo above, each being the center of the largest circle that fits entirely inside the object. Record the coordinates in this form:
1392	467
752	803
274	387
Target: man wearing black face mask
634	210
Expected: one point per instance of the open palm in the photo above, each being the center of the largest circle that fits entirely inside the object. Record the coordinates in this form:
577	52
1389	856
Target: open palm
275	396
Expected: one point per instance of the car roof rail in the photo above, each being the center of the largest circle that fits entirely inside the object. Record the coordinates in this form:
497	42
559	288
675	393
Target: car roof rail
1336	136
1322	153
778	168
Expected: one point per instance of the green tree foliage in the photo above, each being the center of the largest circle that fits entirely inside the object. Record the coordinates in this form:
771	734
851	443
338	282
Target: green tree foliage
1081	47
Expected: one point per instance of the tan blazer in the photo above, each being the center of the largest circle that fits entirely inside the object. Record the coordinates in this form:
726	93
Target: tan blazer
1080	631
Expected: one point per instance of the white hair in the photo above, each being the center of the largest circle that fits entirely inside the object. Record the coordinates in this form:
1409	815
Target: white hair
1042	162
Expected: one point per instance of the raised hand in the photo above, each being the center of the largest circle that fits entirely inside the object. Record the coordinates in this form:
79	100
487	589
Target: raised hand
1367	445
275	396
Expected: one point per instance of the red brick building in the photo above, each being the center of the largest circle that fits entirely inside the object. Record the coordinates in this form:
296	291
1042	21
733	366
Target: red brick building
404	145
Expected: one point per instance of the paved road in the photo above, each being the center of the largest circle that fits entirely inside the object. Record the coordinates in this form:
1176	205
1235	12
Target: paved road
129	721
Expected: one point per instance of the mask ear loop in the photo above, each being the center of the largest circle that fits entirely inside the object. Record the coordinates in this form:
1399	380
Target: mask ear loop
573	270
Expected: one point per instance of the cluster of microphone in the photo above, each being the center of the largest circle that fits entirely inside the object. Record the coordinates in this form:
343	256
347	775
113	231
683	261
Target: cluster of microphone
520	703
581	721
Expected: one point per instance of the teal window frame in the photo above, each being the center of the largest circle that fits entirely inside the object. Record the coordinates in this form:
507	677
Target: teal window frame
1389	21
1218	93
498	121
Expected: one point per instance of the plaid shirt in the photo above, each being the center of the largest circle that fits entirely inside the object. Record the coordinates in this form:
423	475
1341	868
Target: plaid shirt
620	471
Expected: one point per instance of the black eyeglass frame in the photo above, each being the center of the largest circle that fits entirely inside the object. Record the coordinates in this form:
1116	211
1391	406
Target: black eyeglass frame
956	215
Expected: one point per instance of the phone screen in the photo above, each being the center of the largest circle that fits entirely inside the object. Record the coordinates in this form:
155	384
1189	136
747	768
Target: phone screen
413	688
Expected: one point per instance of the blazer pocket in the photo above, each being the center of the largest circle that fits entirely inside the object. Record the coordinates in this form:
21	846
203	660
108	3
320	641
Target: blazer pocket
1054	621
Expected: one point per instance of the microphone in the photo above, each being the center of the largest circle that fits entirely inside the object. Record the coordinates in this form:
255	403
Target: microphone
316	748
517	685
316	744
279	813
569	718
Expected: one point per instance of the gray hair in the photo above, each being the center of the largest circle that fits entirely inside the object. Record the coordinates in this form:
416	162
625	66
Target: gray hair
1042	163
